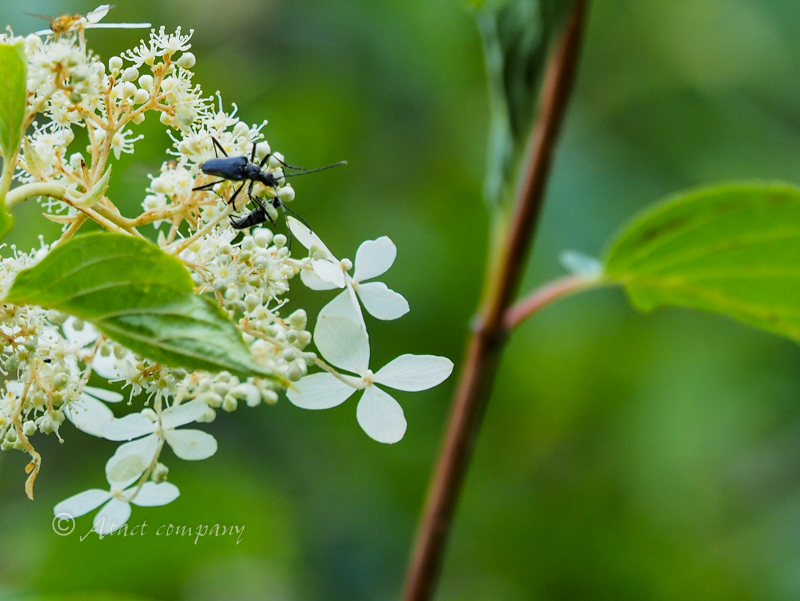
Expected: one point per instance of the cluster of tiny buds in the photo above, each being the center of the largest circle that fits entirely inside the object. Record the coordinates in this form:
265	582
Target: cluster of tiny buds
49	358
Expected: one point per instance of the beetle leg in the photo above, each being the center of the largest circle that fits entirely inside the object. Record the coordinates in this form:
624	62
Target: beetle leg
208	186
218	145
232	199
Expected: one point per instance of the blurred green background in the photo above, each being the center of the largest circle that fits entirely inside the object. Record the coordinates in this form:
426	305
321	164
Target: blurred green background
622	457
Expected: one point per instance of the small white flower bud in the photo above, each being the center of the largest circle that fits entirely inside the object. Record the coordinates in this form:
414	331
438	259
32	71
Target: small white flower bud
221	388
60	380
298	319
209	416
29	428
275	161
160	473
240	129
167	119
225	248
141	96
75	161
279	240
128	89
263	237
262	150
286	194
219	285
310	358
146	82
297	369
251	301
248	243
130	74
347	264
115	63
303	339
32	42
186	61
270	396
230	403
138	118
212	399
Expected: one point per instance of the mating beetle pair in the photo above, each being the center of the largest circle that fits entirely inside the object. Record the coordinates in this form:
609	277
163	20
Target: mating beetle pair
244	169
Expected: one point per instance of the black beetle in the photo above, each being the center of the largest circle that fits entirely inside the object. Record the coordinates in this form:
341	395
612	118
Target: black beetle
242	169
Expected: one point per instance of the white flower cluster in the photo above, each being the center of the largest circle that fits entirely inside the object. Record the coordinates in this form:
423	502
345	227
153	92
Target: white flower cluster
49	358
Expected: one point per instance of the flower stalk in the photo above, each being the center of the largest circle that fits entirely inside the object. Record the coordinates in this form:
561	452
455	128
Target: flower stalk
488	339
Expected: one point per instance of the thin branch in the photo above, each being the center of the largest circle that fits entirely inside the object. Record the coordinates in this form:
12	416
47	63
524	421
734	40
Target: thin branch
543	296
488	339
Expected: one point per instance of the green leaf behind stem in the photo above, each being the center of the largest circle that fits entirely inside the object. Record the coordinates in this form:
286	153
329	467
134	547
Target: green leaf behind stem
732	249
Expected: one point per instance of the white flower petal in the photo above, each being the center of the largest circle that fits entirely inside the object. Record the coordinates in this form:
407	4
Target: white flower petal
155	495
374	258
319	391
15	387
82	503
381	416
108	396
343	343
329	272
112	517
414	372
89	415
345	304
381	302
80	337
128	427
191	445
314	282
98	13
181	415
306	237
131	460
111	368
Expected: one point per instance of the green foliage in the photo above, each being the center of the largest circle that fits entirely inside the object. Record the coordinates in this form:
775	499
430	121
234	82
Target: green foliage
730	249
13	91
516	38
13	97
140	297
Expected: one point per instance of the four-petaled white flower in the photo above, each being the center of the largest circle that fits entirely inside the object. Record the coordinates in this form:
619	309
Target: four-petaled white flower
344	344
117	501
373	258
134	457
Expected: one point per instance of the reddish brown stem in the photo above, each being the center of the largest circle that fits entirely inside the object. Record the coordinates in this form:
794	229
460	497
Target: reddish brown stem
486	344
541	297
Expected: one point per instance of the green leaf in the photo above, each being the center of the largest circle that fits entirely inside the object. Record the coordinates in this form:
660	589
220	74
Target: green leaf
516	38
140	297
13	99
732	249
13	96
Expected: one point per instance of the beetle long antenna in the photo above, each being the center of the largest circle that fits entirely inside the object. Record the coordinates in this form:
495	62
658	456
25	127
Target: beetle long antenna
314	170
